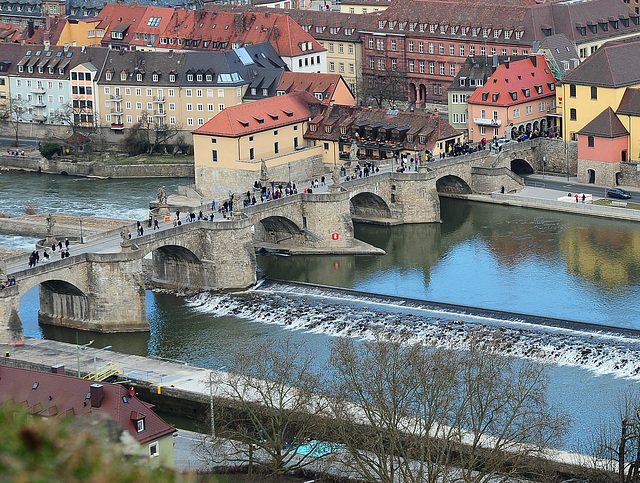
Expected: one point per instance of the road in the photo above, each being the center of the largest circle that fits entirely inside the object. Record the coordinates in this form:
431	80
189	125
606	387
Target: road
572	186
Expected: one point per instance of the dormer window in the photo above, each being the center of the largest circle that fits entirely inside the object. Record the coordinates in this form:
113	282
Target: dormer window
453	30
139	420
514	95
108	76
155	77
199	77
189	77
539	87
423	139
327	129
380	24
474	31
496	33
526	92
411	26
123	76
443	29
313	127
209	78
61	71
507	34
494	96
139	77
422	27
518	35
485	96
485	32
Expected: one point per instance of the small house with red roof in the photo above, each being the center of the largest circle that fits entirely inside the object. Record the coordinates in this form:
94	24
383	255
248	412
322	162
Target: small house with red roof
327	88
231	149
57	395
516	99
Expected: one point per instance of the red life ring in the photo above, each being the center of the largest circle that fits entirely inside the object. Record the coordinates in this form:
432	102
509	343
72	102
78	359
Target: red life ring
336	265
335	236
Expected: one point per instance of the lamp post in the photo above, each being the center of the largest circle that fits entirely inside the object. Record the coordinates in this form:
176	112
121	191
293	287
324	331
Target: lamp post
81	237
213	421
544	163
95	364
78	347
289	166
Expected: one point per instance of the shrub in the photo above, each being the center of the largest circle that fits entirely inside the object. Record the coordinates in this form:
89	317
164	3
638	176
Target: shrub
48	150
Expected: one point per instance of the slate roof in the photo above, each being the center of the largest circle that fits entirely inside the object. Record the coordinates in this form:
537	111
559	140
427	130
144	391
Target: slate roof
533	19
89	8
605	125
630	103
432	126
334	26
132	62
531	74
54	57
609	66
262	115
479	68
52	395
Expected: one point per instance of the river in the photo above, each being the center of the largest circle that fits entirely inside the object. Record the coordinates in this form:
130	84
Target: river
508	258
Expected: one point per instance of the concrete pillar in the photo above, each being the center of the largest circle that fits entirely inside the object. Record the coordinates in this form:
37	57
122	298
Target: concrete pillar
10	325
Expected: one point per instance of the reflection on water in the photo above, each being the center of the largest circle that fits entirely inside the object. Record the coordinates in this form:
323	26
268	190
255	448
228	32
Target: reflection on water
492	256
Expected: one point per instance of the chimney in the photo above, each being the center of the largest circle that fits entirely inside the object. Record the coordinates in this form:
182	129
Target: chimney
30	29
58	369
47	21
506	64
97	395
534	60
239	21
494	61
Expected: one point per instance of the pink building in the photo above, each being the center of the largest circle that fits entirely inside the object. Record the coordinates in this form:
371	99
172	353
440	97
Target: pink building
516	99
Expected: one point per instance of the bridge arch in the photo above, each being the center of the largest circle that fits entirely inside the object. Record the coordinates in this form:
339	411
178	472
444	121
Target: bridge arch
278	229
452	184
369	205
175	265
521	166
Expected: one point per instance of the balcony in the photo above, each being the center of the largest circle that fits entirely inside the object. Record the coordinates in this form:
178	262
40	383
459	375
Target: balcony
39	117
160	113
37	103
115	97
38	90
158	99
481	121
116	110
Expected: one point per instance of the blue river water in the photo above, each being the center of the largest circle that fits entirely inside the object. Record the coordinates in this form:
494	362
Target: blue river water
507	258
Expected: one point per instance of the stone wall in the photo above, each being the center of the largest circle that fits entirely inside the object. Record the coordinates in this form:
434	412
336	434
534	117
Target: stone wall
630	174
36	163
488	180
217	183
605	173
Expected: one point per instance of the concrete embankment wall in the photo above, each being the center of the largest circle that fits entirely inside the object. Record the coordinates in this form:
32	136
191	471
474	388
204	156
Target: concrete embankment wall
40	164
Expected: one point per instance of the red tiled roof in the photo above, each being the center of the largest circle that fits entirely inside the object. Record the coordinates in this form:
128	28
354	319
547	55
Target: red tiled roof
516	77
302	81
258	116
115	15
58	395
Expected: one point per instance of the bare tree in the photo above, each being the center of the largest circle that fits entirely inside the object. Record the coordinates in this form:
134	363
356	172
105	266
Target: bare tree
615	446
150	135
272	406
82	129
14	112
438	415
384	87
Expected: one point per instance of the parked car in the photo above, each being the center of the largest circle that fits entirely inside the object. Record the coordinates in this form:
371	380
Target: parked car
618	193
502	142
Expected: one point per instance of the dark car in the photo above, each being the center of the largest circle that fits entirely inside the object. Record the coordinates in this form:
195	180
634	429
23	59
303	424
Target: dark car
618	193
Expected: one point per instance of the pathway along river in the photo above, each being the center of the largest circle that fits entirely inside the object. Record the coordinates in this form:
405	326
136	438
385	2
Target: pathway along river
482	255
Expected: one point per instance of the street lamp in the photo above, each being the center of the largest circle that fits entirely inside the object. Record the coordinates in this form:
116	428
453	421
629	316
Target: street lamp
95	365
81	237
213	421
78	352
289	166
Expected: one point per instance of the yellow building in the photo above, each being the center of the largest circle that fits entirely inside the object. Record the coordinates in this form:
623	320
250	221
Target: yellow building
80	31
232	150
364	6
598	83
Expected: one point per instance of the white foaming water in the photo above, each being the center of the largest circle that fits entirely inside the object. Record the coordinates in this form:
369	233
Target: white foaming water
315	311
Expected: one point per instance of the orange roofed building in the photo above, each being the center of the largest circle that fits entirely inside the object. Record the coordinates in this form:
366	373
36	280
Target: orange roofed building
56	395
231	149
161	28
328	88
516	99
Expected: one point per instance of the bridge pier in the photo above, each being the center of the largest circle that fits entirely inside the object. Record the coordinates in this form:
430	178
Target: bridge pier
10	325
114	302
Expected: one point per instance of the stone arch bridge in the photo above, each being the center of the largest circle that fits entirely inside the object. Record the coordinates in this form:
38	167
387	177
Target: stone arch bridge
103	289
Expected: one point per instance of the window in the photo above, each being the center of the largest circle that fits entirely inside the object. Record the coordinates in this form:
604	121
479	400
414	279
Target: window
172	106
371	42
332	67
452	69
432	67
189	107
171	93
276	148
441	68
172	120
591	141
421	47
381	64
138	92
188	92
410	45
220	107
452	49
411	66
127	105
214	152
541	106
421	65
462	51
200	107
393	45
211	107
149	106
572	90
341	67
140	425
139	106
594	92
127	91
441	49
352	68
198	92
529	110
380	44
454	98
129	119
573	115
341	48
